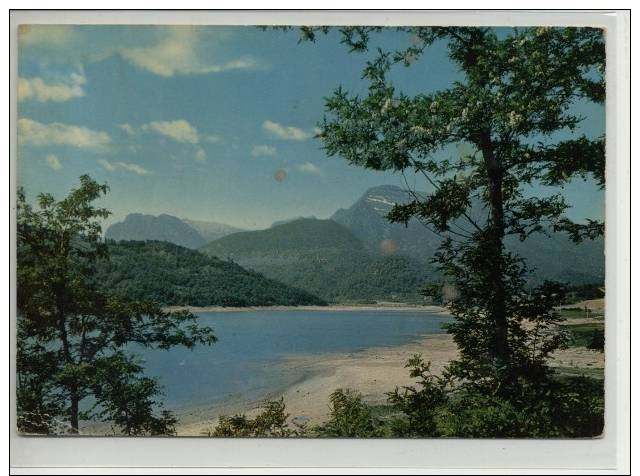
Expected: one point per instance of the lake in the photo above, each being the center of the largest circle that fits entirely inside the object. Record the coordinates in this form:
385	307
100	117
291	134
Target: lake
244	363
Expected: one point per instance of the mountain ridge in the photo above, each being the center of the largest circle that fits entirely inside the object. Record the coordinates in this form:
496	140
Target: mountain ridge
180	231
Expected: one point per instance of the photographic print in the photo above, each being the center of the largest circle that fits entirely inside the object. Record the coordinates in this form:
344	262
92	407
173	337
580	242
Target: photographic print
310	231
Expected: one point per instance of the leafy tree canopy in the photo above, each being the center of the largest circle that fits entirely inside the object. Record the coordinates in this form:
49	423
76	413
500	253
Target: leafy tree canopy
73	337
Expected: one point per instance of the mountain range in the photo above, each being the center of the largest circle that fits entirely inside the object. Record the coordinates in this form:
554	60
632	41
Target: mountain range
184	232
356	255
551	256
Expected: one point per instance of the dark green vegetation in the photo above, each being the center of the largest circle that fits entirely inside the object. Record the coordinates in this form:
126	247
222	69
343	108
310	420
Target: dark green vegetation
183	232
323	258
174	275
72	335
271	422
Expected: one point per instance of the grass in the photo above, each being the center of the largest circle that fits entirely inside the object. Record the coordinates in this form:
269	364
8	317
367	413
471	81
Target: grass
582	334
594	373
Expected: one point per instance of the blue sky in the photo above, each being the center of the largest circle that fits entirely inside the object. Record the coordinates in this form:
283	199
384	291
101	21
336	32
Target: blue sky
210	123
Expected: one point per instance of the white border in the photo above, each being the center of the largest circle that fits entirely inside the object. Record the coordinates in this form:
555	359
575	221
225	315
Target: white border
124	455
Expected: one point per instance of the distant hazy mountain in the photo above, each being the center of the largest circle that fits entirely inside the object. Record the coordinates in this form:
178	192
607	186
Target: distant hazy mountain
211	230
554	257
137	226
323	258
183	232
174	275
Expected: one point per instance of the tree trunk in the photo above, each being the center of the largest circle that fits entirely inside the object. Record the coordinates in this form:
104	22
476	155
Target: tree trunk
494	252
75	402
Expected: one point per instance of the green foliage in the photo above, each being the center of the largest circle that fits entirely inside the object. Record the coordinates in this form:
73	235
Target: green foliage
72	335
174	275
553	407
271	422
350	417
420	404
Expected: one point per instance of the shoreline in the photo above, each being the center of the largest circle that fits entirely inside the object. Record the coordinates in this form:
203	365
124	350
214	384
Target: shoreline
432	309
373	372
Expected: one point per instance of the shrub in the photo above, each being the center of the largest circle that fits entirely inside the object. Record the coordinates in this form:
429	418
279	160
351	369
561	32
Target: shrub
272	421
543	407
349	417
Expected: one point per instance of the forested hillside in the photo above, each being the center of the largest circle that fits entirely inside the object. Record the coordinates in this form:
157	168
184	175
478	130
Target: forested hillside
325	259
174	275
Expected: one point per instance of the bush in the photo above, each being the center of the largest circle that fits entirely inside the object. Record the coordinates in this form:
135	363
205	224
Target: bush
349	417
271	422
544	407
419	405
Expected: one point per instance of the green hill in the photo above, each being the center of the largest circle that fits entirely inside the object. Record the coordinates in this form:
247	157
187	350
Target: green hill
304	234
174	275
325	259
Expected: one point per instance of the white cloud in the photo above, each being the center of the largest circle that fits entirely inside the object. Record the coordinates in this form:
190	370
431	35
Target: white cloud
112	167
53	162
214	139
107	165
179	130
63	89
263	150
177	53
135	168
45	35
35	133
201	155
309	168
127	128
285	132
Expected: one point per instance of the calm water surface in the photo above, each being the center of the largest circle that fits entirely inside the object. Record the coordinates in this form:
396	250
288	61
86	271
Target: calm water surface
243	364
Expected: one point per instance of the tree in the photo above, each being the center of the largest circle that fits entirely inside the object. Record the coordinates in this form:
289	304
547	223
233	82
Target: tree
73	338
513	110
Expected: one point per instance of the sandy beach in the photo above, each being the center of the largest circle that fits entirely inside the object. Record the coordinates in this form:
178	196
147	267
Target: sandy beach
372	372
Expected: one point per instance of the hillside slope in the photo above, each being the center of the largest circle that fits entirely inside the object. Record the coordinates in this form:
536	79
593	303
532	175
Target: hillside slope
174	275
323	258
